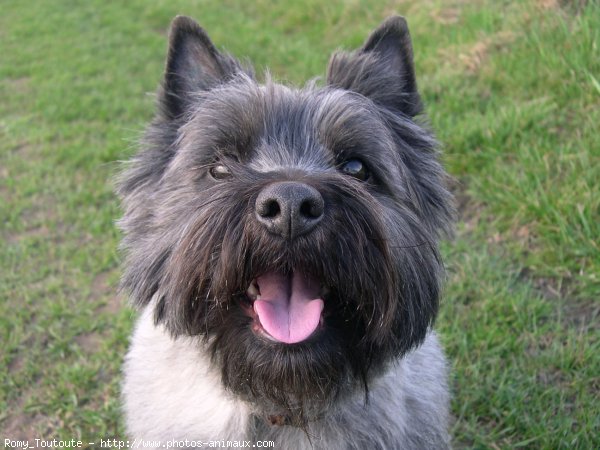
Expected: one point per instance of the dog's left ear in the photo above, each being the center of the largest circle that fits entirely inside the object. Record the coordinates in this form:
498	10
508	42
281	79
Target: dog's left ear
193	64
382	69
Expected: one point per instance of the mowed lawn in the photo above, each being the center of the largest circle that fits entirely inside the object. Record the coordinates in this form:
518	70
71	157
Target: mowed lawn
513	91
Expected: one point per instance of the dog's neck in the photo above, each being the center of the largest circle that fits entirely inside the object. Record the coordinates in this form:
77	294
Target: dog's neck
279	419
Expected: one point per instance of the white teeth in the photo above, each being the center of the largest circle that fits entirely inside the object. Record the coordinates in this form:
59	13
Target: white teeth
252	292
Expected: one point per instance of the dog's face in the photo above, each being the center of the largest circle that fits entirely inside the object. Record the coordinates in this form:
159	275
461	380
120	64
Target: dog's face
296	230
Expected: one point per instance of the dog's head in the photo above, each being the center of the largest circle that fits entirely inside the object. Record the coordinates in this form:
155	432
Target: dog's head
296	229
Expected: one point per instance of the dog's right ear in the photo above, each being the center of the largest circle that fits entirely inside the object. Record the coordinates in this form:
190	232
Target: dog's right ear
193	64
382	70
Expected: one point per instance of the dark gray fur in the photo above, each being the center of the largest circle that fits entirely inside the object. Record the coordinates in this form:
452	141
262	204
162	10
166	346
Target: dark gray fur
193	245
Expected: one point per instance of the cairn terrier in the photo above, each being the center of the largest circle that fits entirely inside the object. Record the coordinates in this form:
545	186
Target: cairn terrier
281	245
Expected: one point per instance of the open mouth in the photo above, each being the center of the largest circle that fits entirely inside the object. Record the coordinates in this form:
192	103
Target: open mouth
285	308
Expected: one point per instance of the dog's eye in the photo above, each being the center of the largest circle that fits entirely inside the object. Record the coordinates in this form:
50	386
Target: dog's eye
219	172
356	168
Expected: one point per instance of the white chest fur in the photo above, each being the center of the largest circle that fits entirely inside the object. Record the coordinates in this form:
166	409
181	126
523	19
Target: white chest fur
171	392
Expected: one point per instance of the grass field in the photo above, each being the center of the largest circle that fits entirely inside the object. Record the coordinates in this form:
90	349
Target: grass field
513	91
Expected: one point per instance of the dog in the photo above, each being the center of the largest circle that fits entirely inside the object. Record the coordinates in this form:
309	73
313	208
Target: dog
281	245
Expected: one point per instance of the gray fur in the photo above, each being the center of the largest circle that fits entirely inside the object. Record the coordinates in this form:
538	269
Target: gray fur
375	376
171	391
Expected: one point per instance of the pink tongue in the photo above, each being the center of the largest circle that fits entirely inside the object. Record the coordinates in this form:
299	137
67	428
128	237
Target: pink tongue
288	307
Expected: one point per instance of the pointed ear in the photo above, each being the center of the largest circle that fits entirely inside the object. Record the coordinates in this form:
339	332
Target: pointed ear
193	64
382	69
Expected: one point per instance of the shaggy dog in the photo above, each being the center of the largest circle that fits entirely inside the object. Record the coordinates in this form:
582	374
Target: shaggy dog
282	246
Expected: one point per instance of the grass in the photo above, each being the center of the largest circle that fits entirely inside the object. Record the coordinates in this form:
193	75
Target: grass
513	91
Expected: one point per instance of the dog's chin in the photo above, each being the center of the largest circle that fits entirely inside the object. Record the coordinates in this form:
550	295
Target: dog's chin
297	374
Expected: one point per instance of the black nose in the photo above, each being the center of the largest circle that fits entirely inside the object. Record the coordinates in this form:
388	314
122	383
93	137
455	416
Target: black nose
289	208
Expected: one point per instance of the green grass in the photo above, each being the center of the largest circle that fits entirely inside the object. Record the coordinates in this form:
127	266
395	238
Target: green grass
513	91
